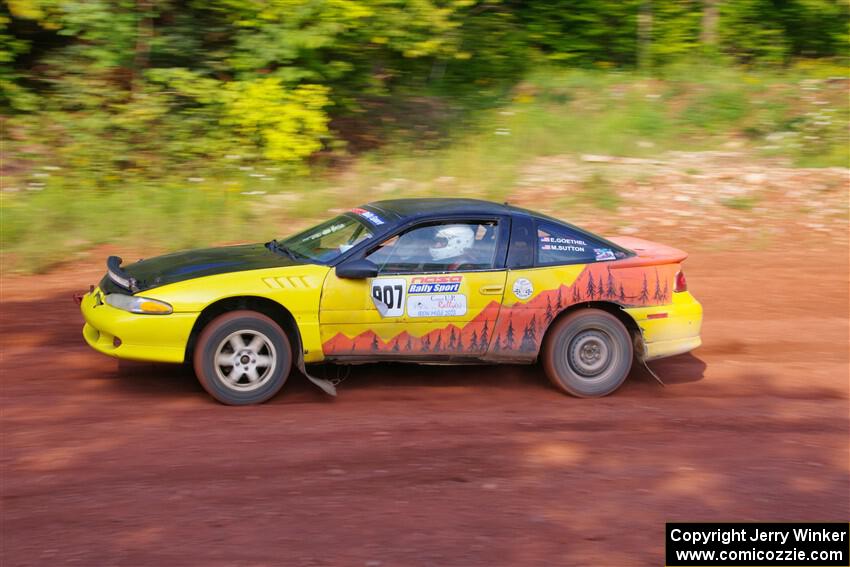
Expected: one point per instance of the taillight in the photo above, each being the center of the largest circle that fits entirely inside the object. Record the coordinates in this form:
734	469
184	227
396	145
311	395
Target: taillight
681	283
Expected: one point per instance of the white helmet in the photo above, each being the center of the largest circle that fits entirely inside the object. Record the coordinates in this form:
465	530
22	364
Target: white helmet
451	241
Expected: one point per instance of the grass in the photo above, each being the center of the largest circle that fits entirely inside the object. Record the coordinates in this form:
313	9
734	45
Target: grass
54	225
51	215
741	203
599	192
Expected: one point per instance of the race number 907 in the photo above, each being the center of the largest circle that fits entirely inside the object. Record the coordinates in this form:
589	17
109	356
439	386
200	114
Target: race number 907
388	296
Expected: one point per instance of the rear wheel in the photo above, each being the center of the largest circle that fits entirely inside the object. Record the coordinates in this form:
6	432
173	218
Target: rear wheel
242	358
588	353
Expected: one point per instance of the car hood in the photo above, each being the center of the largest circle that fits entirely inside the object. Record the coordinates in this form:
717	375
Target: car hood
191	264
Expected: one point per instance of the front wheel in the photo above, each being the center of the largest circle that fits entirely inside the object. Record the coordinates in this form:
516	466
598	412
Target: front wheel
242	358
588	353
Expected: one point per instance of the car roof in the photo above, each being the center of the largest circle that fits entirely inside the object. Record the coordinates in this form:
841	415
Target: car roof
423	207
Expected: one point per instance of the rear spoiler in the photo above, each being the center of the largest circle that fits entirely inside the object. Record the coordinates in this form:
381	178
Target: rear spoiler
647	253
119	276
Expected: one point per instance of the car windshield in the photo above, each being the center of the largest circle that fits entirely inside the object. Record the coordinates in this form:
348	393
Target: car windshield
326	241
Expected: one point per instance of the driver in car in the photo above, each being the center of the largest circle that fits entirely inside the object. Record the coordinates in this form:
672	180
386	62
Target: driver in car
451	246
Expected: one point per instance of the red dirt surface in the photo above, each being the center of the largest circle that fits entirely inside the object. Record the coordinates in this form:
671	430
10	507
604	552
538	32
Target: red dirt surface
108	463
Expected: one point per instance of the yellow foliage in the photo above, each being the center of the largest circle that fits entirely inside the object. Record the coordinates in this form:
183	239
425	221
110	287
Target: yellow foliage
285	124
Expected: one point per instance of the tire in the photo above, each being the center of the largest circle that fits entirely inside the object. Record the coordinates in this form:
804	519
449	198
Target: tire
588	353
246	343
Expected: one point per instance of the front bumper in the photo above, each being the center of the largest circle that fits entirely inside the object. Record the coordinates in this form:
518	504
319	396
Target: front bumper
156	338
670	329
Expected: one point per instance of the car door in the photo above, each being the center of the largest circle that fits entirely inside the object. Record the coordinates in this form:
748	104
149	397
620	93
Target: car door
426	302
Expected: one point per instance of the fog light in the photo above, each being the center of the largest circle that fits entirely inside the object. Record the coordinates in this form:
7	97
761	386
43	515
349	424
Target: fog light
116	342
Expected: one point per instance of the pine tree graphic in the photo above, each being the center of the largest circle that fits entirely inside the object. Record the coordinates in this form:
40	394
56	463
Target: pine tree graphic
509	336
395	345
459	347
600	289
549	315
657	295
375	342
560	303
529	336
644	292
485	340
665	291
473	341
622	294
452	340
439	344
611	290
591	288
409	346
576	293
426	343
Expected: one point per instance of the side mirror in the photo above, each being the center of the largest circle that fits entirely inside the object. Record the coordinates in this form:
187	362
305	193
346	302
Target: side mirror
357	269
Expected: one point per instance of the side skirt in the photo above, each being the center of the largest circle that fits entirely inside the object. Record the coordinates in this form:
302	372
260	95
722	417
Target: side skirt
368	359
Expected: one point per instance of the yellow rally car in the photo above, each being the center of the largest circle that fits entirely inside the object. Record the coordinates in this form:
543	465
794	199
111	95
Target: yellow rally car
416	280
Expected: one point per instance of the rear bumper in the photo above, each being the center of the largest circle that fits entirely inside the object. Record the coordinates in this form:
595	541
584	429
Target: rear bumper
670	329
156	338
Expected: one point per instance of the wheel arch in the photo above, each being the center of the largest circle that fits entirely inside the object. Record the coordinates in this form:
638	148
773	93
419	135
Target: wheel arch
272	309
608	306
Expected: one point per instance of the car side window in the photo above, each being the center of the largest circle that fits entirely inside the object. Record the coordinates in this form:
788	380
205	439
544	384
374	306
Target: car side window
560	245
439	247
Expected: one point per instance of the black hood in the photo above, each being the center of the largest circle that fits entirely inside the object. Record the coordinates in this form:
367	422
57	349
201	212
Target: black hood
190	264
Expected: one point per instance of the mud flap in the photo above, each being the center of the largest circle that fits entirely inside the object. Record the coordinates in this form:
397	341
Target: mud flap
653	374
325	385
640	354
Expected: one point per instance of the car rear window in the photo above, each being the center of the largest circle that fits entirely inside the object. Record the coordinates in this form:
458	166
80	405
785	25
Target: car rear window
561	245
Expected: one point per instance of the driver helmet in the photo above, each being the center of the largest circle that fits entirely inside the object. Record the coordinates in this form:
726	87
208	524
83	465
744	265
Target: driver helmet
451	241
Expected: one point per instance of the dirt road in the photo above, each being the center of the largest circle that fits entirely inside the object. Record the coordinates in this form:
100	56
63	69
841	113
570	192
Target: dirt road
132	464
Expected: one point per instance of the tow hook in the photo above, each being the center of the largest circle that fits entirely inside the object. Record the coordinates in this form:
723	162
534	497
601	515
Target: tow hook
78	297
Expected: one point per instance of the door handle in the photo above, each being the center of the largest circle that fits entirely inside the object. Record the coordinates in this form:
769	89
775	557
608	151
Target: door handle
491	289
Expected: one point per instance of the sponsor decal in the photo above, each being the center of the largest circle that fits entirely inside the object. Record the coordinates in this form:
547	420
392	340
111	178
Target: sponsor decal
435	284
434	288
368	215
388	296
436	305
325	232
523	288
436	279
604	254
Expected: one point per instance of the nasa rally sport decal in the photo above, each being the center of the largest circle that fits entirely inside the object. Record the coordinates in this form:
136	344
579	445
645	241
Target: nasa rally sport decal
523	288
388	296
435	284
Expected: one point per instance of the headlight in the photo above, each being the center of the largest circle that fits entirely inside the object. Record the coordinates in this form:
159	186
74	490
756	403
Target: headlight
135	304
